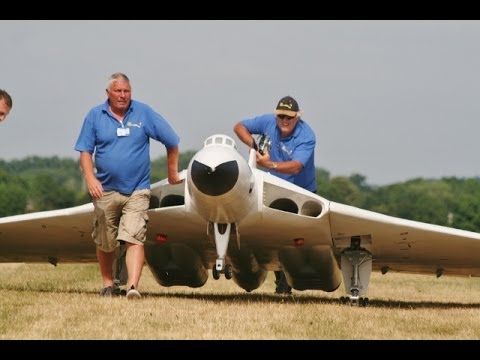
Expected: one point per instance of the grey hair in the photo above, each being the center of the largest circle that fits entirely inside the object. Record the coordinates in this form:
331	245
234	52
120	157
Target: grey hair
115	77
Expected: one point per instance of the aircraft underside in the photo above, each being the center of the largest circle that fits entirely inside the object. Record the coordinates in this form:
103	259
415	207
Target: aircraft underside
314	268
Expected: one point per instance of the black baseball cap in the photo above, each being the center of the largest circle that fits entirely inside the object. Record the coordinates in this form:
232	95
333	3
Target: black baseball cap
287	106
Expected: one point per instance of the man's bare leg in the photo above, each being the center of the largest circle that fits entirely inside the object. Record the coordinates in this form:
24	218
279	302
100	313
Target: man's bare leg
105	261
135	260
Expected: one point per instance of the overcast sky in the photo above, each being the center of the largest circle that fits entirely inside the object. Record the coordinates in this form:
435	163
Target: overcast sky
390	100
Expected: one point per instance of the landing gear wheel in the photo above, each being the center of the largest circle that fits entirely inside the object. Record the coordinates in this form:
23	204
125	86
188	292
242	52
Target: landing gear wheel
228	271
215	273
363	302
343	299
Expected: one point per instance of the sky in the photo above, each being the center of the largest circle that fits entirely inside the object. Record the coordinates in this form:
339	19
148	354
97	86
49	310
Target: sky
390	100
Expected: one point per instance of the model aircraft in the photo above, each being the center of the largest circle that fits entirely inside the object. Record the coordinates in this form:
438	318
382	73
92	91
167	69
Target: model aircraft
229	218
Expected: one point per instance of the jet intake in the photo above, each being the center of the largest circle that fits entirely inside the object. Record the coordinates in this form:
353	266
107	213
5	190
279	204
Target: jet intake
315	268
220	183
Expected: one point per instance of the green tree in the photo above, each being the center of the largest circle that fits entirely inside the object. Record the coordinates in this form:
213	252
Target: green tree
159	166
345	191
418	199
49	193
13	194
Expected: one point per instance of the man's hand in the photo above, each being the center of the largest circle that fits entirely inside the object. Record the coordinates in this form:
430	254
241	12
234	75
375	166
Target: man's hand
263	160
95	188
174	179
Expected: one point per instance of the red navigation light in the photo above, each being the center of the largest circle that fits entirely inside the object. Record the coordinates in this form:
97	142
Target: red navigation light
299	241
161	238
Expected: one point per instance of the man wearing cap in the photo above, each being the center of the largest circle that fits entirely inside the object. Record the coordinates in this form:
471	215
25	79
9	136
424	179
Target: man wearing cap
291	155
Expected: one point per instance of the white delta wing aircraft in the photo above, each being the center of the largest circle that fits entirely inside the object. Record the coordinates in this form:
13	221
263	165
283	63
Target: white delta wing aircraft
235	220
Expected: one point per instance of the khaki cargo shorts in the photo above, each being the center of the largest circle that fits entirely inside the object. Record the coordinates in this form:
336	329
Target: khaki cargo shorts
120	217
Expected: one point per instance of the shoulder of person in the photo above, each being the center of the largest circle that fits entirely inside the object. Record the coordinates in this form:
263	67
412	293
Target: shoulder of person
306	124
263	117
269	117
306	129
141	106
136	103
98	109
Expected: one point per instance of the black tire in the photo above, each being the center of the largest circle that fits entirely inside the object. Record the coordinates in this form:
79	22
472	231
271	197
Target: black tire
228	271
215	273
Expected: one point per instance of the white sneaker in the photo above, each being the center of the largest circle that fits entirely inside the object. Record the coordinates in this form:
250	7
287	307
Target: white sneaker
132	293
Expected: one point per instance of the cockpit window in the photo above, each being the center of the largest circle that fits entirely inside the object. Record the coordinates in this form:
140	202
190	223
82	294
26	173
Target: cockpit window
220	139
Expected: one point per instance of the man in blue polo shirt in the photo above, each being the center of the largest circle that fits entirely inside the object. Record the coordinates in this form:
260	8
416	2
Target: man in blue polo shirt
291	156
118	134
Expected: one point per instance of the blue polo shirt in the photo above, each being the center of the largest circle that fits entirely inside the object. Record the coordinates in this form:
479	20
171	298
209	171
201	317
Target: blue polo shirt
122	150
299	146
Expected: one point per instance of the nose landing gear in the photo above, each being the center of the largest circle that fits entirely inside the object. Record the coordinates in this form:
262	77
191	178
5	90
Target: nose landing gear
221	234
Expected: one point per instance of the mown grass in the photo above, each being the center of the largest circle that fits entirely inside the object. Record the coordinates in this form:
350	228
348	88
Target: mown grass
45	302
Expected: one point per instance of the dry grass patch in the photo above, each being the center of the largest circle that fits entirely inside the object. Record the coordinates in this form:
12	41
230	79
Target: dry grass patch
45	302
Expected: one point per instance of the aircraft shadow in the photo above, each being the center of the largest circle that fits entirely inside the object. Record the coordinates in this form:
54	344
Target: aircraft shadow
276	298
308	299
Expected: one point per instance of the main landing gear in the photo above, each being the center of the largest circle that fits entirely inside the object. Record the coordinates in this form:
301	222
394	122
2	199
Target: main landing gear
356	269
354	300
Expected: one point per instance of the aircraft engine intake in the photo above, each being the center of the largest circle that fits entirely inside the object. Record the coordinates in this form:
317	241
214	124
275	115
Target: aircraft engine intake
220	182
214	182
175	264
315	268
247	273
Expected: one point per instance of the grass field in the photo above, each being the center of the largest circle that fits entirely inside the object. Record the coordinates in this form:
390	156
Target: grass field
45	302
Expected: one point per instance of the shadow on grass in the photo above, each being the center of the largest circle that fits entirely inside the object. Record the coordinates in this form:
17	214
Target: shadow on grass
295	298
308	299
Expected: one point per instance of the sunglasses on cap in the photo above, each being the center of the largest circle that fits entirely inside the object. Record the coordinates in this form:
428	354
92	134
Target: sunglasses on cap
282	117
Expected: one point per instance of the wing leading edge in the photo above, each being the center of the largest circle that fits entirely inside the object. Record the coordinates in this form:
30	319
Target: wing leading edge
230	218
56	235
405	245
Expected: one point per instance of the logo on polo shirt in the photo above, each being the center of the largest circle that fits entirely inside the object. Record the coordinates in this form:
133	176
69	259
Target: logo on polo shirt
130	124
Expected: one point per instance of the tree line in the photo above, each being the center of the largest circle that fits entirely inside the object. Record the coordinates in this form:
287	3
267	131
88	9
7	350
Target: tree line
47	183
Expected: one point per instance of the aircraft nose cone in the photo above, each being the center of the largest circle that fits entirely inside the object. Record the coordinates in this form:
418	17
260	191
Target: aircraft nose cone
214	182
